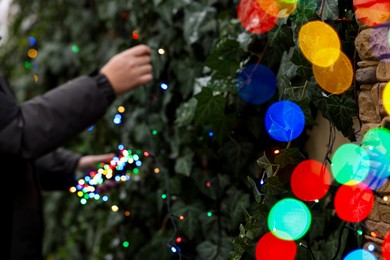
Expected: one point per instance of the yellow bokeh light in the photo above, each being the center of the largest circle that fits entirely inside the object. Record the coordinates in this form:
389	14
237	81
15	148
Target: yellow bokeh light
386	98
72	189
121	109
32	53
319	43
337	78
161	51
114	208
278	8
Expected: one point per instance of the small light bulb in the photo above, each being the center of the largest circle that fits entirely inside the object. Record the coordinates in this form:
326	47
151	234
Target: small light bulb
161	51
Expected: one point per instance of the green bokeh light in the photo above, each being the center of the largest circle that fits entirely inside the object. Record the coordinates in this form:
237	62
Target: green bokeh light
378	138
125	244
75	48
27	65
164	196
350	164
289	219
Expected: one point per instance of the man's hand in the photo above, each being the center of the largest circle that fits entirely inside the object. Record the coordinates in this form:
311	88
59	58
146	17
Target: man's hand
129	69
89	162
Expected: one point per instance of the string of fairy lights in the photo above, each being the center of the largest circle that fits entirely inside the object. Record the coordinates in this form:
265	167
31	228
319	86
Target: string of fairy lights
128	166
284	122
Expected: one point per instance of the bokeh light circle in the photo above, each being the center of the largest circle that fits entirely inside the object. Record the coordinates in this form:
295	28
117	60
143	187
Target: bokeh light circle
360	254
386	247
336	78
256	84
270	247
289	219
278	8
370	13
353	203
378	138
253	18
310	180
379	169
319	43
284	121
386	98
350	164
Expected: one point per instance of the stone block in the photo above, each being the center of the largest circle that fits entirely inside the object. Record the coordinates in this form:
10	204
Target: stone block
367	110
367	86
384	213
367	63
374	214
383	70
382	111
381	229
373	43
366	75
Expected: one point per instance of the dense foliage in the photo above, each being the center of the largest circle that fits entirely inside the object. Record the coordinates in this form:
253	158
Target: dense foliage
210	146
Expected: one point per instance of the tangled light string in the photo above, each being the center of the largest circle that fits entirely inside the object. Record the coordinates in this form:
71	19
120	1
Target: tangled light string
121	168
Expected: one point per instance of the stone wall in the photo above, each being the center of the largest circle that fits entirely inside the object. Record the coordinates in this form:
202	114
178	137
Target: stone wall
372	75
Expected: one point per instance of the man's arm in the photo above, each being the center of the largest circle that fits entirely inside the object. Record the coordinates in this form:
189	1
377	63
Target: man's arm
46	122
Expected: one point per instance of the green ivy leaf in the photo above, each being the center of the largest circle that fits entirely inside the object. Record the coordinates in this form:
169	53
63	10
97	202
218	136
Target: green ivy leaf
265	164
305	106
208	250
209	107
184	163
304	67
233	204
190	225
272	187
339	110
222	125
185	113
280	35
305	10
290	156
330	10
225	58
255	190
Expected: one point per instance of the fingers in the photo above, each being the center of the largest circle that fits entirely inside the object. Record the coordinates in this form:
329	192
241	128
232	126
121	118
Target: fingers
140	60
145	79
139	50
103	157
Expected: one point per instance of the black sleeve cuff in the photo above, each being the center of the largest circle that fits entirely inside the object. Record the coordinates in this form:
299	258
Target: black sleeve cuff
104	85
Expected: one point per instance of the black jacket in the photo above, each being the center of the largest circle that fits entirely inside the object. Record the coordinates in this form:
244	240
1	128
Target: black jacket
31	159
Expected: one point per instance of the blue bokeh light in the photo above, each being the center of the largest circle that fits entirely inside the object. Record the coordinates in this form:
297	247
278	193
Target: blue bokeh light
360	254
256	84
284	121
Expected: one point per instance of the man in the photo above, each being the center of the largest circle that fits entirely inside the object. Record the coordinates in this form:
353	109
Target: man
32	133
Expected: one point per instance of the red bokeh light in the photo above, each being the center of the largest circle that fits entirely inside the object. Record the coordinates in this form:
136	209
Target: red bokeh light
310	180
270	247
253	18
354	203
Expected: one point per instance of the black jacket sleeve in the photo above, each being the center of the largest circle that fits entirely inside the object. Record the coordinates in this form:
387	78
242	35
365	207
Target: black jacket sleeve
44	123
57	170
8	108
